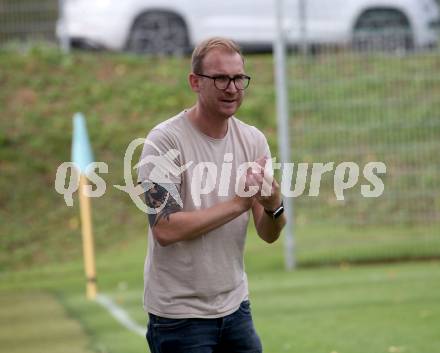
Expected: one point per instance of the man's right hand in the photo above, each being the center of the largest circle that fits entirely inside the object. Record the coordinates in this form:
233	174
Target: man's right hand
244	202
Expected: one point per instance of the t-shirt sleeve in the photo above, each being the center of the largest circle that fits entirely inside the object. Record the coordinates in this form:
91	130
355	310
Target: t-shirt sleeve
262	147
160	160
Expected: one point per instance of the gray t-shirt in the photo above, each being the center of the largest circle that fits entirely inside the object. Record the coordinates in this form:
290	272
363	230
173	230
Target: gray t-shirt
203	277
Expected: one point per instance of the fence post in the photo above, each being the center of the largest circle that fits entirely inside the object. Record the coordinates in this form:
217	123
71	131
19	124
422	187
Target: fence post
303	26
64	39
283	126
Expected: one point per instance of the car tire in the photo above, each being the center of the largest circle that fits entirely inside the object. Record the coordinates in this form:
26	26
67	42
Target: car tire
386	30
158	33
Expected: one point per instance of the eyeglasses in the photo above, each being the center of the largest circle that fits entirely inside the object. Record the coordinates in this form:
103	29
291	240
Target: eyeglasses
222	82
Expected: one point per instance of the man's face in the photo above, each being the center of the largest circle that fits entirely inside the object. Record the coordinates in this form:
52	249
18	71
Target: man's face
221	103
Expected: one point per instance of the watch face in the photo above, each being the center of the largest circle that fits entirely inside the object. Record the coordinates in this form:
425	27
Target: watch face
278	212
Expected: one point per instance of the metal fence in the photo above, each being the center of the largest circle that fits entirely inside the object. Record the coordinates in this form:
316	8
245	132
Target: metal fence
24	20
370	101
364	107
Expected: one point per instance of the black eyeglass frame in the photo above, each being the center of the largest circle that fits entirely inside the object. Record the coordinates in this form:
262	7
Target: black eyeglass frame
214	78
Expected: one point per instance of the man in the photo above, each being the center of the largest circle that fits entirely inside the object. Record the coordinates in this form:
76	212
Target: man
196	291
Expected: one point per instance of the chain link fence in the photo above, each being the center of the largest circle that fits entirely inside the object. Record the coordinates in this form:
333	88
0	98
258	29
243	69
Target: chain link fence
26	20
363	107
373	100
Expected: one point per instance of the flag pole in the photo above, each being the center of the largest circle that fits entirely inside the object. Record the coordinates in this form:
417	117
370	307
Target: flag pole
82	157
87	238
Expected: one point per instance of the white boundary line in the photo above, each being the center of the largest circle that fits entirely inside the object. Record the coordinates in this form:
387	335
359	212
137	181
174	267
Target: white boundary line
120	315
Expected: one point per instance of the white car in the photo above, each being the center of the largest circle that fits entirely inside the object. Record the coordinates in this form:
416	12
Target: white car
174	26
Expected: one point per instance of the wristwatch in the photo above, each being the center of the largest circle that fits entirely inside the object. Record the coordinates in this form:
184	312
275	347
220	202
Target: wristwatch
277	212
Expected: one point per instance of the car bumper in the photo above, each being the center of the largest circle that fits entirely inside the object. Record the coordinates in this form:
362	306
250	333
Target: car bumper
92	34
94	26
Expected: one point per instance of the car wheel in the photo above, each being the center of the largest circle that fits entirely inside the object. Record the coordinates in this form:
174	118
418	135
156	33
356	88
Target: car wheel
383	30
158	33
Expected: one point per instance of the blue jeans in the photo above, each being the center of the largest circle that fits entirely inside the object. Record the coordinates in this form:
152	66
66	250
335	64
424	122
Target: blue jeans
234	333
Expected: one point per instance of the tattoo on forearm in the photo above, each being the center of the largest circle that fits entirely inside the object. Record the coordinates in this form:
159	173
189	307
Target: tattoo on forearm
154	198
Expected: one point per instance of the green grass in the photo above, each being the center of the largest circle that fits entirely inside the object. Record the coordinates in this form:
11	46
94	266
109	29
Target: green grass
36	322
380	308
351	310
344	108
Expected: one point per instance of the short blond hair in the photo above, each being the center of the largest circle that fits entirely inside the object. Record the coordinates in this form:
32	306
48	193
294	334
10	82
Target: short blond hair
209	44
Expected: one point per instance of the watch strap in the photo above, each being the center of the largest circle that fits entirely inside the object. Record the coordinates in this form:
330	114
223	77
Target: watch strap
277	212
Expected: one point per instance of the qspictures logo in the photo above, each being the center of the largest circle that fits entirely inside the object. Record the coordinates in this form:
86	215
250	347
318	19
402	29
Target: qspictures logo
162	167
